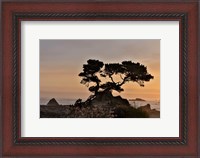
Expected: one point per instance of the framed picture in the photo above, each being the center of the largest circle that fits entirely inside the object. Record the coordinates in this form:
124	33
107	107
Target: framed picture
100	79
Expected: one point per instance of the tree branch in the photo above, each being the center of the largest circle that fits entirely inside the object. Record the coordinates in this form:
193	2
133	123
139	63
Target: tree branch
124	80
121	77
112	79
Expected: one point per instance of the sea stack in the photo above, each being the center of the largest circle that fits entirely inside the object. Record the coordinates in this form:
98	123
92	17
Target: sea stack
52	102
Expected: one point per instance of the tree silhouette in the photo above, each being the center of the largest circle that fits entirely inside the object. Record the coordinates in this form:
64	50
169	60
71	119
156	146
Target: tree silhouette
127	71
89	74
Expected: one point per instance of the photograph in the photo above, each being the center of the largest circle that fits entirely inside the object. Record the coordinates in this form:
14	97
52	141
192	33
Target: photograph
111	78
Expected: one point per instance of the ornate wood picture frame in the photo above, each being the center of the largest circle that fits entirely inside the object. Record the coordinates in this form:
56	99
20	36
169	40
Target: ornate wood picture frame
187	144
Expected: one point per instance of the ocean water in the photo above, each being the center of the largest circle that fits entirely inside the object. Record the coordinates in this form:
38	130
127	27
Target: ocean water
153	104
136	104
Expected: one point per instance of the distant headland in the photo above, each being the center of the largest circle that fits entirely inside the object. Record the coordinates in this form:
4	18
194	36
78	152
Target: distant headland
137	99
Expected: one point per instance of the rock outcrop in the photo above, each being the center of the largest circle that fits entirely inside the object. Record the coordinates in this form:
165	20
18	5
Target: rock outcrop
52	102
107	99
153	113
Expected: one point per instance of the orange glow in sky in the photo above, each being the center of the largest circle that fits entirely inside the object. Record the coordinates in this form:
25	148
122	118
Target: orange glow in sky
61	61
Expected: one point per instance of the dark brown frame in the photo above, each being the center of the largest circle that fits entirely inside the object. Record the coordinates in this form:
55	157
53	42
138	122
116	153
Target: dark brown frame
185	145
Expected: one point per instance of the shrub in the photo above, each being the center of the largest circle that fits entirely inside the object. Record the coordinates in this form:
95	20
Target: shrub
129	112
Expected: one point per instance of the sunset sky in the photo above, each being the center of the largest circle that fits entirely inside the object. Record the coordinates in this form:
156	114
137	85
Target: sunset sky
61	61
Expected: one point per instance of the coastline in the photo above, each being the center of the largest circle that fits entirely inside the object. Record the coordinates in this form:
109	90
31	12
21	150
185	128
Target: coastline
70	111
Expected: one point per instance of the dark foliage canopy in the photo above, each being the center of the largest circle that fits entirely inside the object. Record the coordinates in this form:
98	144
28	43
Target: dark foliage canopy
128	71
